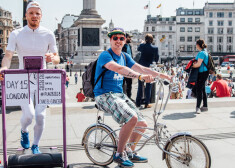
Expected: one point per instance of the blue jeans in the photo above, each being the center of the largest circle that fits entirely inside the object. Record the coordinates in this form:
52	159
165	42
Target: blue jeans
140	93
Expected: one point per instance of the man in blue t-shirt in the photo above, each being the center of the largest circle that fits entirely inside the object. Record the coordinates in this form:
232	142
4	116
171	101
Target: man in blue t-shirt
109	93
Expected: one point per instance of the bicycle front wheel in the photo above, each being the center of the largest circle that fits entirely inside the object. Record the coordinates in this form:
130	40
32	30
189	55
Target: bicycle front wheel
191	153
100	145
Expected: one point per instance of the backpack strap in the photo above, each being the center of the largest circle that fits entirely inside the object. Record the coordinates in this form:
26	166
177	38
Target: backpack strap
102	74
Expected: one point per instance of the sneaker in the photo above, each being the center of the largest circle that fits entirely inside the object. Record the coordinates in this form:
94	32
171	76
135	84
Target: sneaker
25	140
197	110
135	158
204	109
35	149
122	162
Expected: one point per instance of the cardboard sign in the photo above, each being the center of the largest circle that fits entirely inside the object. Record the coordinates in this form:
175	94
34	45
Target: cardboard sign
17	89
49	88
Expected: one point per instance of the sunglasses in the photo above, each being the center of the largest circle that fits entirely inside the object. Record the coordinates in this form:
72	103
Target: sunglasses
115	38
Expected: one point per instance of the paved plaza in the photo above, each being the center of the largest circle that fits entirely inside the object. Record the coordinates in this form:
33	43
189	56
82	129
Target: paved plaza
216	128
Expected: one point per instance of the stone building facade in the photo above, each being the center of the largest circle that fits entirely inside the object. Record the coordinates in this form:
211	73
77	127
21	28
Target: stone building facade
6	27
219	28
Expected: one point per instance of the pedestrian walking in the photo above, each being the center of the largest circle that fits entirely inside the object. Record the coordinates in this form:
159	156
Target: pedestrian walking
67	81
76	77
33	40
203	74
149	54
127	82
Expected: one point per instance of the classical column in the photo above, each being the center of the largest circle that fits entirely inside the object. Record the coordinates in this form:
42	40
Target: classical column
89	4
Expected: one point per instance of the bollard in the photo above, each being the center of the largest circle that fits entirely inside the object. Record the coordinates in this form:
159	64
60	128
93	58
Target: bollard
80	72
70	72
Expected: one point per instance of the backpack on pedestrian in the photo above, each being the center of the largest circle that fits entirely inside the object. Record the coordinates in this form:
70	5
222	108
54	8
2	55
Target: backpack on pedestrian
211	65
88	78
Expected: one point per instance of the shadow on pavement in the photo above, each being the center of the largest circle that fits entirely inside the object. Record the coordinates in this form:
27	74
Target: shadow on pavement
11	109
88	107
85	165
178	116
232	114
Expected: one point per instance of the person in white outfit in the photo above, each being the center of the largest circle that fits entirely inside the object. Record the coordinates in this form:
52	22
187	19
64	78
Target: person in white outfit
31	40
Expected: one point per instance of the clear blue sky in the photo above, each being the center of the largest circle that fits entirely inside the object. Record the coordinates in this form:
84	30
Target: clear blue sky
129	14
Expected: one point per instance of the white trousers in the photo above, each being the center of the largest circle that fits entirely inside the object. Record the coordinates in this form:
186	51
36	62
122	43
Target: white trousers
29	112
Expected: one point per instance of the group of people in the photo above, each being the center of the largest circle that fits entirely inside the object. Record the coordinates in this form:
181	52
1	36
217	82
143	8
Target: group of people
108	93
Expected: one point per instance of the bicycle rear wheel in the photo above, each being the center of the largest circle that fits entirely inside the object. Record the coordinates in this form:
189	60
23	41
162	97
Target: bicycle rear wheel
191	152
100	145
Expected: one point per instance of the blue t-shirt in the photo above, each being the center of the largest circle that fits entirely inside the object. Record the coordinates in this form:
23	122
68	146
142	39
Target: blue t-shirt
112	81
203	55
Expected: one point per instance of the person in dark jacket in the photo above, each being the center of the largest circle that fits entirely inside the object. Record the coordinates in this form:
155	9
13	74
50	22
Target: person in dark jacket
202	62
149	54
127	82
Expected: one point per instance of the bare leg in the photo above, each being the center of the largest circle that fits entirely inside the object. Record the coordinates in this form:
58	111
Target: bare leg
125	133
135	137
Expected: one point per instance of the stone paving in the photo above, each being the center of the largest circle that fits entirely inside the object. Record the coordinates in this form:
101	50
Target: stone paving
216	128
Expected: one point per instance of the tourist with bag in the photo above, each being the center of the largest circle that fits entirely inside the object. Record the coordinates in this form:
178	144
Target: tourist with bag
201	63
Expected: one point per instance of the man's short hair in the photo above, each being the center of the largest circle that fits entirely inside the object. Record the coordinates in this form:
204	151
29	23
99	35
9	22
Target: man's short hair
219	76
128	35
149	38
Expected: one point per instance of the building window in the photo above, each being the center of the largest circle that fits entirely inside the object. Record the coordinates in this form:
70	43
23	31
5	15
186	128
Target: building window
182	29
182	39
210	30
104	40
220	23
197	37
182	13
220	39
197	20
190	39
210	39
230	23
1	41
190	29
229	48
190	20
230	30
197	12
153	36
210	48
153	28
210	23
170	36
197	29
170	53
182	48
147	29
1	31
170	28
220	30
211	14
0	13
219	48
229	39
189	12
182	19
105	48
189	48
220	14
1	24
230	14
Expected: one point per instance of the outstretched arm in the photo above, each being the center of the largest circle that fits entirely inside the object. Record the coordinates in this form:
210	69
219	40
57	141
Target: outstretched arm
144	70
